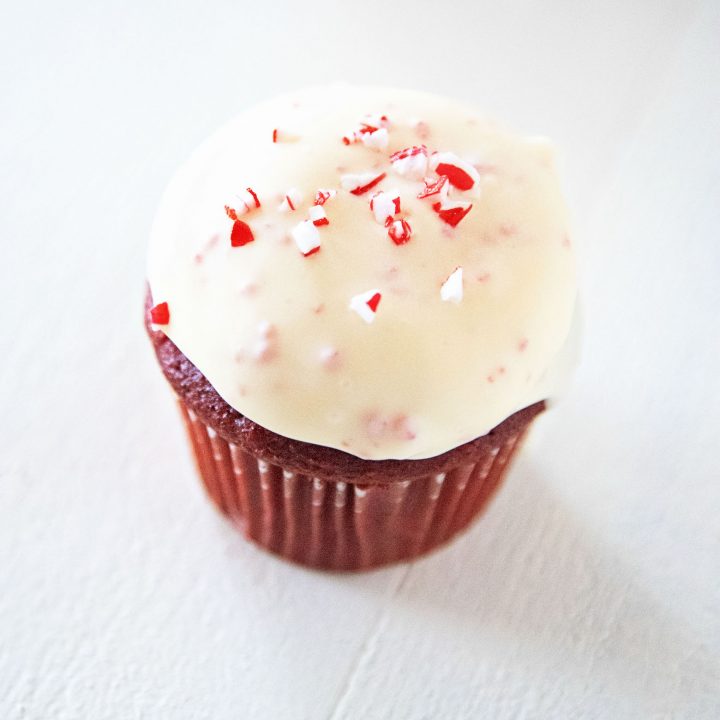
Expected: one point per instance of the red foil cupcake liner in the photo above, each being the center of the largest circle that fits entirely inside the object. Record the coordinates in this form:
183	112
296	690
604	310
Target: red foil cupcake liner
340	525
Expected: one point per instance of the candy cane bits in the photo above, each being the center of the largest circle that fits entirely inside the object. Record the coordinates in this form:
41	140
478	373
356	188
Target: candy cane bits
366	304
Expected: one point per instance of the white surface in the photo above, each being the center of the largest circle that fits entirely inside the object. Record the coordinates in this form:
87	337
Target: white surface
589	590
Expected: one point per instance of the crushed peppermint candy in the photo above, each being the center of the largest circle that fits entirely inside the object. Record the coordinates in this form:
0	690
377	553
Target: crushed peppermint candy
160	314
275	135
366	304
360	183
241	234
293	197
452	211
306	237
411	162
439	186
254	196
377	139
322	196
246	201
452	288
385	205
399	231
460	173
373	125
317	215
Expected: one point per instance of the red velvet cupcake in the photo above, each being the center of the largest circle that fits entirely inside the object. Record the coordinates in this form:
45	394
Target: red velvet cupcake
361	298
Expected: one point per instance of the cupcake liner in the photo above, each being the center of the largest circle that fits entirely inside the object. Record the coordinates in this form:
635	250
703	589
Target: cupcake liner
339	525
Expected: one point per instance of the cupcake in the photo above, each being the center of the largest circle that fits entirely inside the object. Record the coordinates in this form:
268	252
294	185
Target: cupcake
361	298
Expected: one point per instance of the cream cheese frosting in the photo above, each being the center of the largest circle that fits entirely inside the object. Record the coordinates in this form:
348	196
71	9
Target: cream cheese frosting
323	299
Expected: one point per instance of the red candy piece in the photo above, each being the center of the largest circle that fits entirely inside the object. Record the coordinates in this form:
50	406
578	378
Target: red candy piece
275	134
371	184
231	213
457	176
160	314
452	215
367	128
255	197
400	231
241	234
374	301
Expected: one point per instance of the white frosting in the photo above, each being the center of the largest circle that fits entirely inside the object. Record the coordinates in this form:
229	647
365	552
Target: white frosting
444	356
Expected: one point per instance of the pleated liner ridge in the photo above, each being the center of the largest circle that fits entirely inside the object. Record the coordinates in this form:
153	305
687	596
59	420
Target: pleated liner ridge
341	525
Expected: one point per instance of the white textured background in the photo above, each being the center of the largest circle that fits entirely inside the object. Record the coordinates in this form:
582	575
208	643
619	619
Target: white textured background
591	588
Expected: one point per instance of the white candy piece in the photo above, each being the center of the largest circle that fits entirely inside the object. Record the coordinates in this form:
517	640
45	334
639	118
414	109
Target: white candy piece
359	304
357	180
448	158
293	197
377	140
306	236
242	203
384	205
452	288
317	215
413	167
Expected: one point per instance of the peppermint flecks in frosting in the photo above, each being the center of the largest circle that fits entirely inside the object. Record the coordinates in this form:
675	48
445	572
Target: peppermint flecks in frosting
407	283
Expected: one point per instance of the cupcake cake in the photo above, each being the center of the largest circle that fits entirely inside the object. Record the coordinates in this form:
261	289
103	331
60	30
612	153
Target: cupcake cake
361	298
